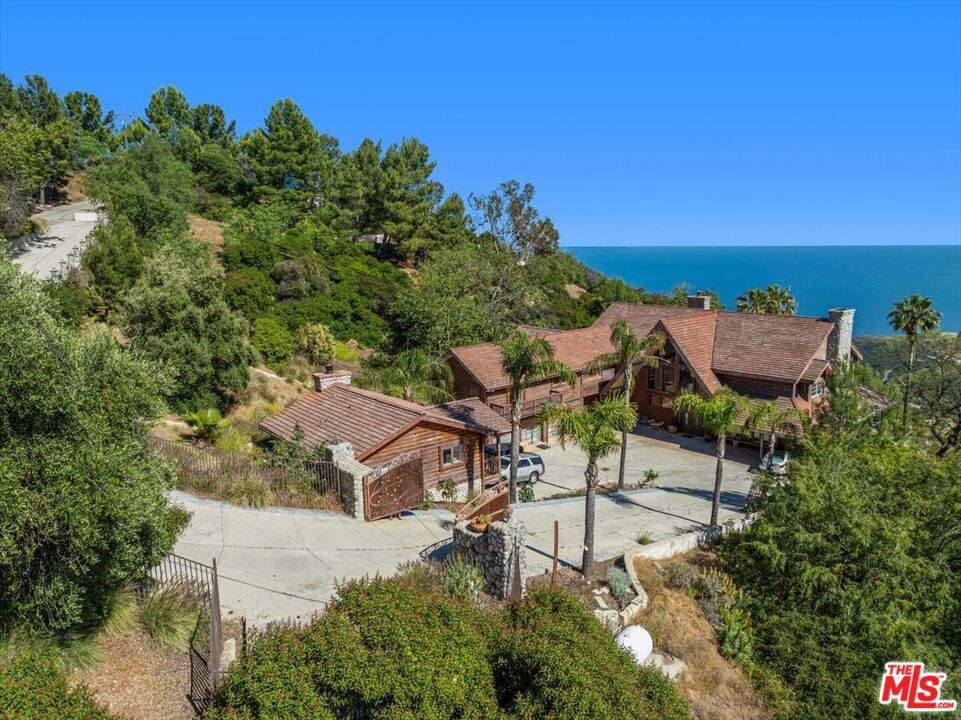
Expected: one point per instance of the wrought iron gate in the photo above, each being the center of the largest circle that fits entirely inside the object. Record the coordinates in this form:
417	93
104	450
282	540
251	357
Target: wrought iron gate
394	487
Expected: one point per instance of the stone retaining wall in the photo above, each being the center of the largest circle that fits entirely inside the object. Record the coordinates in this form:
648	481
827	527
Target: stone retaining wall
493	552
352	484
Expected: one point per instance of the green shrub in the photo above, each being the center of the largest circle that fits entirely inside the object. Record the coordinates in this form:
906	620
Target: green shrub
525	492
448	488
273	340
462	580
170	615
555	660
420	574
428	500
650	477
316	343
33	688
249	291
618	581
383	649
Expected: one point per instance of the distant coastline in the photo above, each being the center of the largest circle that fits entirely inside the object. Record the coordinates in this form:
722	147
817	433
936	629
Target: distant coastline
866	277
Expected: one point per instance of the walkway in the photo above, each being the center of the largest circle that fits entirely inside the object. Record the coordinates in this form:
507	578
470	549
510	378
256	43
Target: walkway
40	257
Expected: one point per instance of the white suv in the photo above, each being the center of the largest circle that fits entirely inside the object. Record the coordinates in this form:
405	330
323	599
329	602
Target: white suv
530	468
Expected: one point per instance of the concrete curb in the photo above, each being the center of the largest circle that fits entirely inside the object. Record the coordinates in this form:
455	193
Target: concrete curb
176	495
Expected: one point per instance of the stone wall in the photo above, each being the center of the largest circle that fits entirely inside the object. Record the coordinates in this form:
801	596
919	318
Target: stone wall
352	479
493	552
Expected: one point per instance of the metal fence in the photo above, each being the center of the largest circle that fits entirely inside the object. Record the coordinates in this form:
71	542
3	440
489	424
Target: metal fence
201	465
199	582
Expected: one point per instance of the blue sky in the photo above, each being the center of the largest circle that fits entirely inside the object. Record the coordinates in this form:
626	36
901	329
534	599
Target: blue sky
674	124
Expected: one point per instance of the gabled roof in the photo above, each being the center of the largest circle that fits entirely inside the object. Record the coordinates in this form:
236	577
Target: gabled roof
368	420
693	335
769	347
574	348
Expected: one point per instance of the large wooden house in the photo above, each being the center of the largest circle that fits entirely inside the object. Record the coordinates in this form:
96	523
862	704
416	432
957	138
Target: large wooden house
766	357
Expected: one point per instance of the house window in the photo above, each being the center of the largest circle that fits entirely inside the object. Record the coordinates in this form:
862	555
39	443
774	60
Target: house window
452	455
817	388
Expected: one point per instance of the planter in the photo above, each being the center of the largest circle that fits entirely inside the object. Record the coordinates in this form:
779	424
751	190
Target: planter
672	428
479	527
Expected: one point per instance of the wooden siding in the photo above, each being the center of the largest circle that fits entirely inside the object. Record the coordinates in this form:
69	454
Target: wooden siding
428	439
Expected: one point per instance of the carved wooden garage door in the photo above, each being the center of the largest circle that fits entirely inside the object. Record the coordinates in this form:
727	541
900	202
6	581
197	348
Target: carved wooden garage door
397	487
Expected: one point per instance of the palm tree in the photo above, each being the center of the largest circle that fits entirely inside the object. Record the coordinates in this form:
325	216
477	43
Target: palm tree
416	376
912	315
594	430
772	300
721	415
629	352
206	423
768	416
526	359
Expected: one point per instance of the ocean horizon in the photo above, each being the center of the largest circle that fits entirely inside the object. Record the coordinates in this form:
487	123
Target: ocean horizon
868	278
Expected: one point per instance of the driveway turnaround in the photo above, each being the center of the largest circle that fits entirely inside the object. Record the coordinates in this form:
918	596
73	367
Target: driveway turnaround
280	563
42	256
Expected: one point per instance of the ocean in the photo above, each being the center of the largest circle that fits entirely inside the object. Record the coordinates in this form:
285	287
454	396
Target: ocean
868	279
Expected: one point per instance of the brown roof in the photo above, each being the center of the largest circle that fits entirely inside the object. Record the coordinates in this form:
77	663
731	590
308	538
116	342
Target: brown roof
574	348
694	337
814	370
367	419
752	345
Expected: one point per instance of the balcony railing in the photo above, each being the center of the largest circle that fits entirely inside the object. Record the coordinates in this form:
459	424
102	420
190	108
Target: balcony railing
529	407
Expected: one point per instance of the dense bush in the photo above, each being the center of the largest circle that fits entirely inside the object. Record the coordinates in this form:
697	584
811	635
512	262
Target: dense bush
82	503
399	648
32	688
146	185
176	315
316	343
249	291
554	660
273	341
383	649
853	563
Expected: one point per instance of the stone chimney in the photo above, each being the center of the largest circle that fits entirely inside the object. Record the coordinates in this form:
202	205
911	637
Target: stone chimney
324	380
839	341
700	302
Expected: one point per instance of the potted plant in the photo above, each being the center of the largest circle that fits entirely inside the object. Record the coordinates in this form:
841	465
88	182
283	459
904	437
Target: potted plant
480	523
672	428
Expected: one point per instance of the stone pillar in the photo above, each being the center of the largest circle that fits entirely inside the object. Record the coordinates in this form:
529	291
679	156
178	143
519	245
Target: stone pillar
493	552
839	341
352	478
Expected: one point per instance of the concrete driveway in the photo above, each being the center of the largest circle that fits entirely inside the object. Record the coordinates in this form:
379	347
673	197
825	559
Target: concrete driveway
277	563
41	256
680	461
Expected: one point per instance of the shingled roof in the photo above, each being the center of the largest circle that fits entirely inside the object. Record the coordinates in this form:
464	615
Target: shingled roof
574	348
367	420
769	347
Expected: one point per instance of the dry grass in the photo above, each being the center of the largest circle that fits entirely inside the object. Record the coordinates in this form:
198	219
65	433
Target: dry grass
716	687
207	230
263	397
139	680
75	189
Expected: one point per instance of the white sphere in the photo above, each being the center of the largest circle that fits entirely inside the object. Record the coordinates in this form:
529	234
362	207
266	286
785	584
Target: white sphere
637	641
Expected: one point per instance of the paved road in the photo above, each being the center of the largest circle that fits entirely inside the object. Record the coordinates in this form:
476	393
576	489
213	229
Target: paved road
281	563
43	255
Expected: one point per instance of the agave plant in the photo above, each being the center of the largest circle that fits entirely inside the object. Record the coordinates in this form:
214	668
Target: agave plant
206	423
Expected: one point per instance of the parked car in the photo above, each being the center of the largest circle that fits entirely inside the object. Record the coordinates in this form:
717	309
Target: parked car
505	449
776	463
530	468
